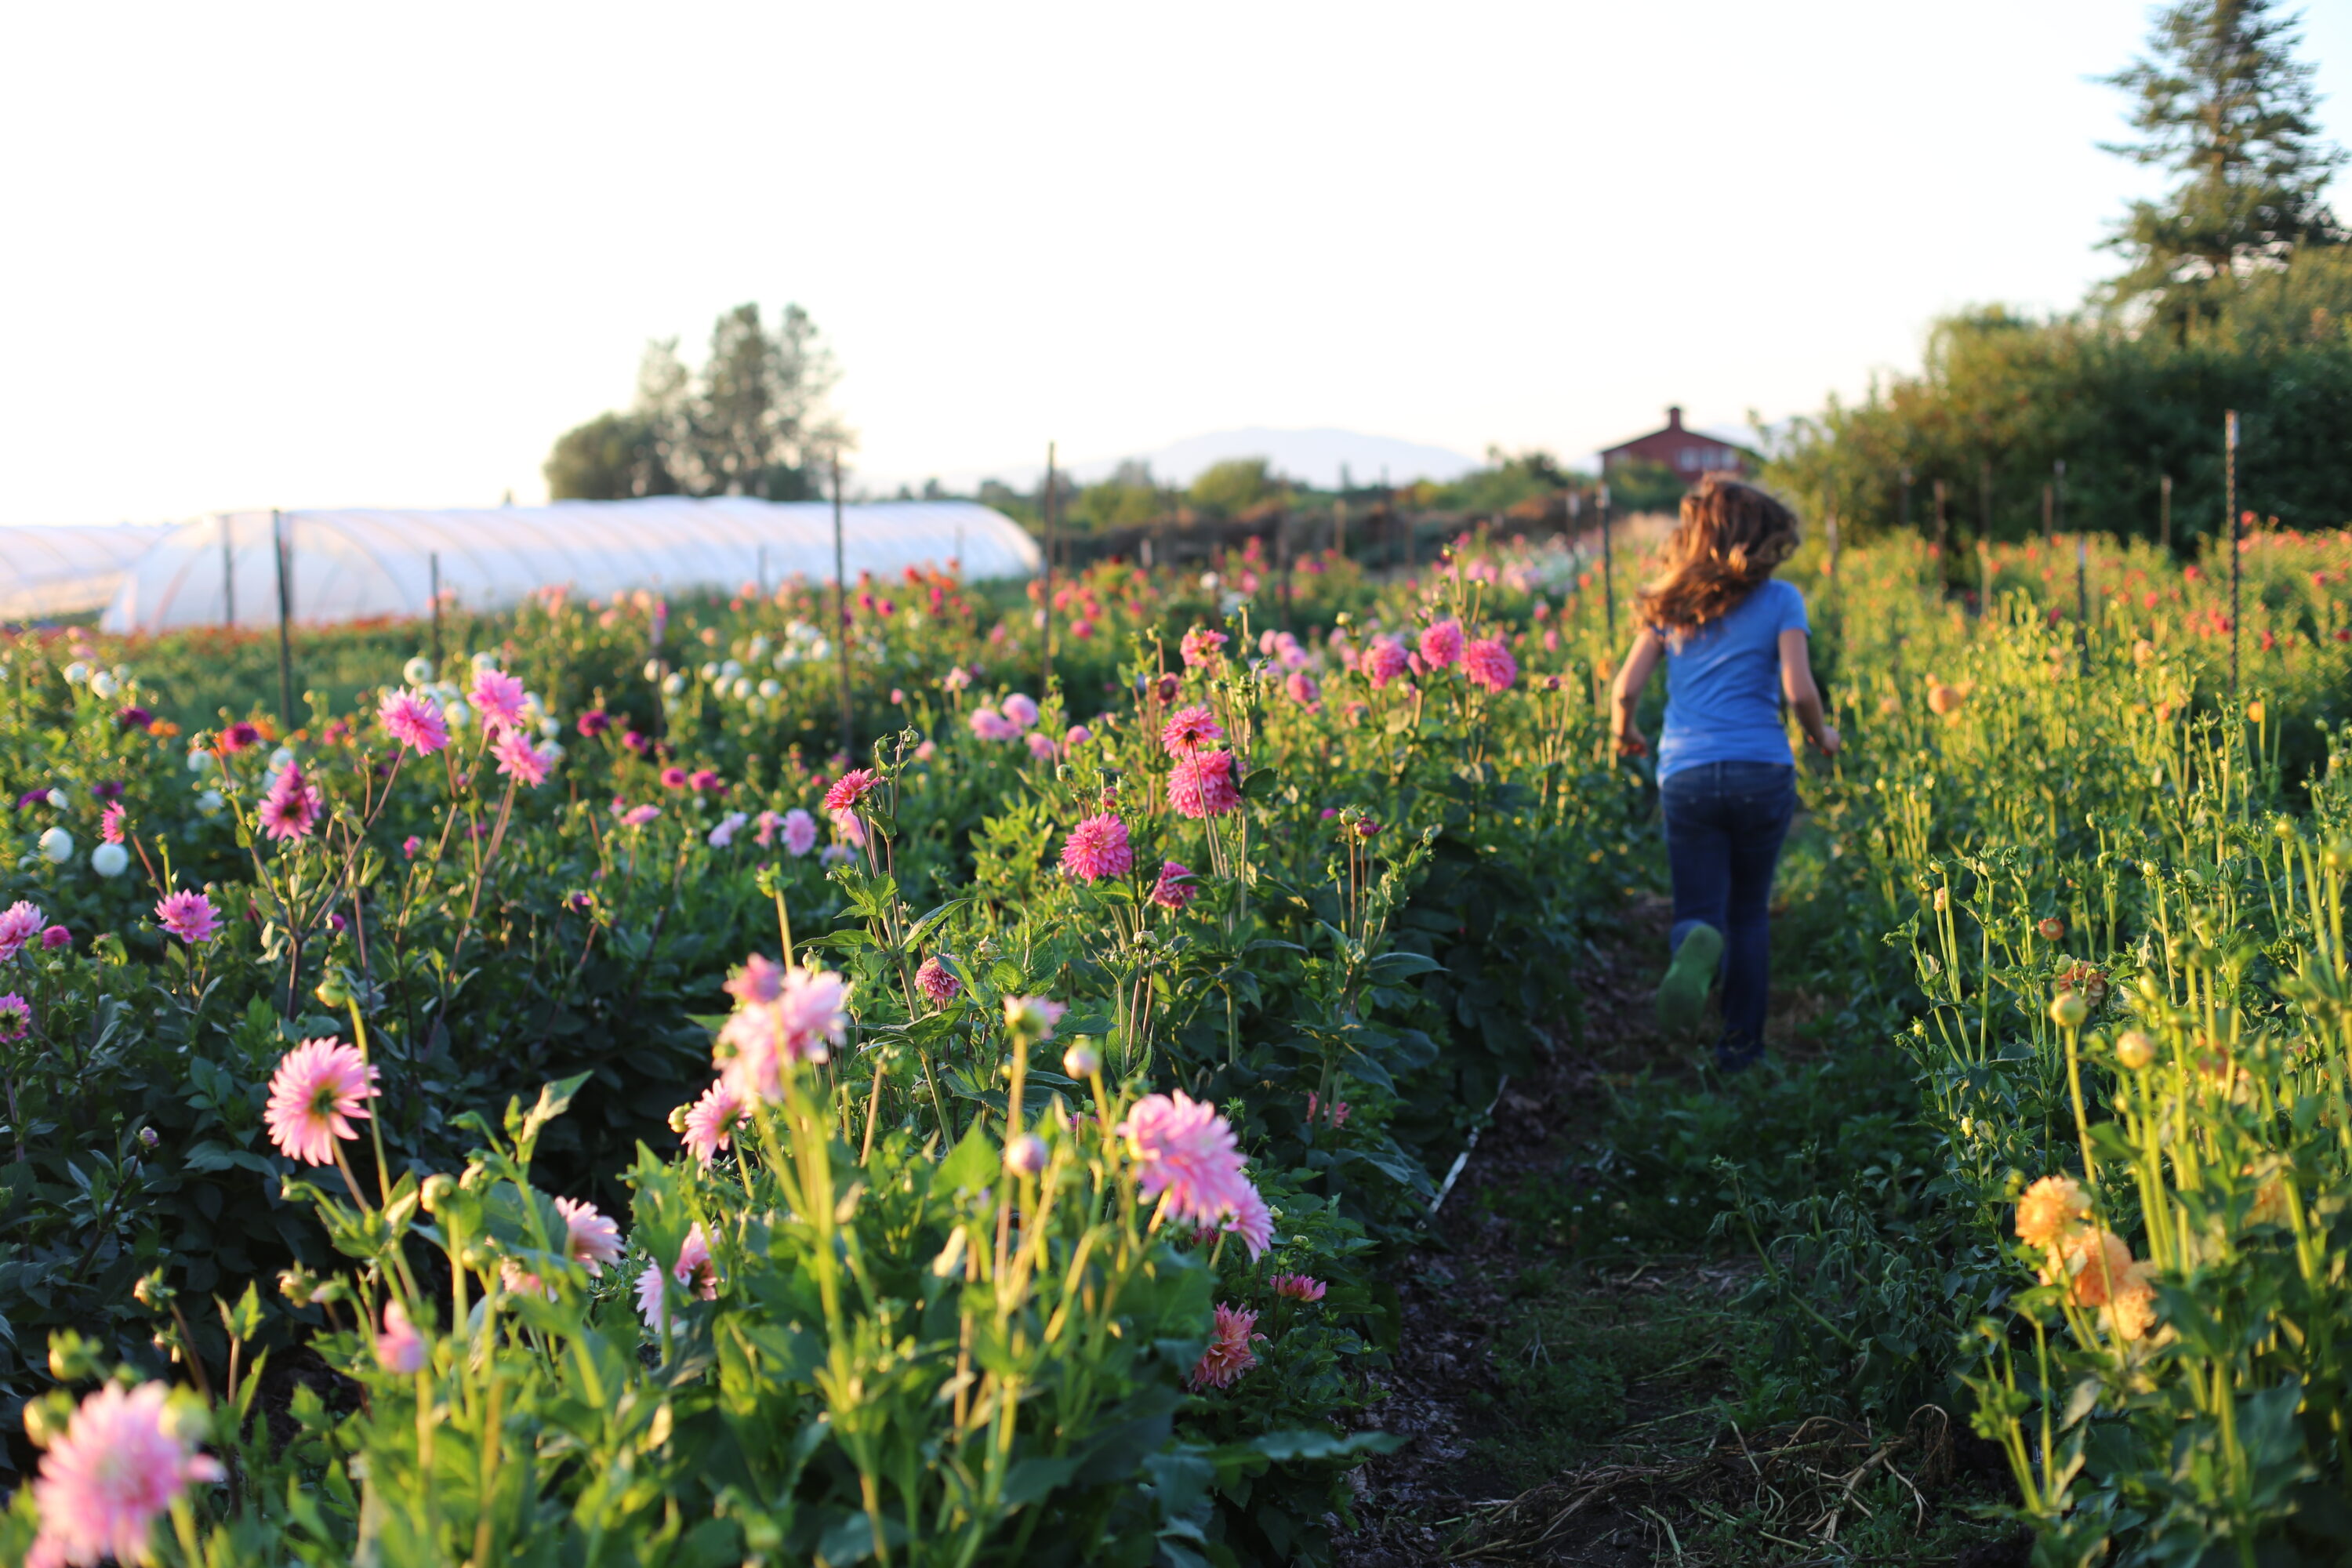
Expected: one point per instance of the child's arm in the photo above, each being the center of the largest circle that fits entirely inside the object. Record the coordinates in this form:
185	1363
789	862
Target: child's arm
1627	692
1804	697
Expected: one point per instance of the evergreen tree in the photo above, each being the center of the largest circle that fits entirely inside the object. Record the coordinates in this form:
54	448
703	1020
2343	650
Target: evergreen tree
2222	101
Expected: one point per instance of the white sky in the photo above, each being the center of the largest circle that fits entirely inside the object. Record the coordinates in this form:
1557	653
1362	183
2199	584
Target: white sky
311	255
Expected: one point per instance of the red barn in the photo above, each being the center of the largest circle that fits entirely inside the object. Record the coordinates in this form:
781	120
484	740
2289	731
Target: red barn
1689	453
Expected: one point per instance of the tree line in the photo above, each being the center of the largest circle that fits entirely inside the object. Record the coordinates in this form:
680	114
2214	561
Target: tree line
2236	294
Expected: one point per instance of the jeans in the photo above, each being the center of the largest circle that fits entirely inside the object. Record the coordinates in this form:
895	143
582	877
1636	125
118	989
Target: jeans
1724	822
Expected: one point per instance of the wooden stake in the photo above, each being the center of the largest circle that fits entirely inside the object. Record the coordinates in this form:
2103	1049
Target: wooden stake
2230	504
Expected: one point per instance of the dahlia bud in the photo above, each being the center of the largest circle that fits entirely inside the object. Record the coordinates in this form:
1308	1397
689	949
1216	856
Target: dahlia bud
2068	1010
40	1428
149	1138
150	1291
2283	827
2051	928
1082	1060
296	1286
2133	1049
1025	1156
436	1190
678	1119
2337	855
333	992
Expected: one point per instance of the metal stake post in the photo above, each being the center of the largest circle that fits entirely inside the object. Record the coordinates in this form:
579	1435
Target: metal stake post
285	614
228	575
2058	493
2163	513
433	568
841	606
1906	476
2230	504
2082	597
1943	524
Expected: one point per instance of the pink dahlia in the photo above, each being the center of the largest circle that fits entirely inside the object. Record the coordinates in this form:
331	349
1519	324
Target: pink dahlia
519	761
1041	746
111	822
1203	648
673	778
1339	1109
808	1017
589	1238
937	981
1176	887
695	1274
1203	786
290	809
723	833
399	1348
1020	709
758	982
1025	1156
1303	688
15	1017
497	698
763	828
1383	660
800	832
188	916
413	719
1036	1015
238	736
1441	643
1188	1157
638	815
1299	1286
1229	1355
120	1466
850	825
592	723
1189	731
1097	848
850	788
707	781
318	1087
20	922
1251	1220
1077	736
56	937
988	724
1489	665
711	1124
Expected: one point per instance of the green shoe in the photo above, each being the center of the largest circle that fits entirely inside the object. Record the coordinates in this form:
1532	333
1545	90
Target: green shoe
1682	995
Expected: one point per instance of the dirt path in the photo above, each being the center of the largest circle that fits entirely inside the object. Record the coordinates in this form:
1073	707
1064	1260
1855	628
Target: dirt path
1565	1412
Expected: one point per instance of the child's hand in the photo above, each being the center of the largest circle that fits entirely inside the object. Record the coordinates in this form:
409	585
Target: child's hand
1829	743
1632	743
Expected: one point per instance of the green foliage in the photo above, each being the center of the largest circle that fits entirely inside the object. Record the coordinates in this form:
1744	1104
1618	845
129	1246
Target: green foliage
752	421
2223	103
2002	399
613	456
1231	488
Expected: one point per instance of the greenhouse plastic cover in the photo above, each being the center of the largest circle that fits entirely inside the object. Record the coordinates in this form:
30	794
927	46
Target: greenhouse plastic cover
365	564
64	571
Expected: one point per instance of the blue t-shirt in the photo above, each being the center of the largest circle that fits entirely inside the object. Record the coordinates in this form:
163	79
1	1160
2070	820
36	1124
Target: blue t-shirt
1723	685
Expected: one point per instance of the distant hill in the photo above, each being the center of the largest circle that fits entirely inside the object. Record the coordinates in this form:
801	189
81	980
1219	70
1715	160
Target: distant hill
1312	456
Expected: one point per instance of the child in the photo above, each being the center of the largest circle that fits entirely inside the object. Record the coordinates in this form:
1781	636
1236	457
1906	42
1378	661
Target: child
1734	641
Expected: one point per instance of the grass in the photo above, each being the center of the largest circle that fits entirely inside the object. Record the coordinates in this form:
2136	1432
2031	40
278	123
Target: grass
1630	1396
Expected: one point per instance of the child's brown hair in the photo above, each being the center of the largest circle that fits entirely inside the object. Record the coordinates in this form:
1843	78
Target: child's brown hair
1730	538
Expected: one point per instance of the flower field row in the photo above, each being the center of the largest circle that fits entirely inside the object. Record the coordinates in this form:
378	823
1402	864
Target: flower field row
542	1108
2119	888
974	1151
